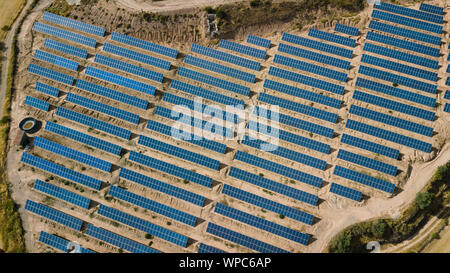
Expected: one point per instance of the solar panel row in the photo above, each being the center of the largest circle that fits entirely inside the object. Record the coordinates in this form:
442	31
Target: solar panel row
330	37
208	249
406	21
62	194
251	39
247	50
59	243
37	103
159	49
407	33
447	108
65	48
339	51
346	192
367	162
431	8
50	74
369	146
364	179
353	31
447	95
53	215
47	89
64	34
56	60
434	18
67	22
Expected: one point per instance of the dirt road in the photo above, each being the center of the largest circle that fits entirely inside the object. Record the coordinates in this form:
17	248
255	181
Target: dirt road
169	5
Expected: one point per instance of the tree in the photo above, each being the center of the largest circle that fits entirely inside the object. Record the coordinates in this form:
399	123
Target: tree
342	243
378	229
423	199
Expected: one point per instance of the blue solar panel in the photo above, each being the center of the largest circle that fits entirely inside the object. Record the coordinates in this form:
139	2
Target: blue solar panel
262	224
94	123
353	31
339	51
246	50
388	135
178	152
47	89
406	21
143	225
364	179
405	69
369	146
310	55
395	54
50	74
296	77
330	37
418	48
273	186
367	162
103	108
83	138
119	80
312	68
64	34
159	49
56	60
447	108
171	169
58	242
112	94
251	39
65	48
434	18
67	22
226	57
152	206
117	240
61	171
137	56
407	33
194	139
431	8
447	95
395	78
346	192
218	68
208	249
268	204
162	187
63	194
399	93
226	85
54	215
280	169
304	94
37	103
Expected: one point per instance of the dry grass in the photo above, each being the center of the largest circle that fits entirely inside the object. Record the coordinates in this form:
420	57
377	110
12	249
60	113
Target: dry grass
8	14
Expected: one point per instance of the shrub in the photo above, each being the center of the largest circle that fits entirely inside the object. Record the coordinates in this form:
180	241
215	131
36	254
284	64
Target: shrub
423	200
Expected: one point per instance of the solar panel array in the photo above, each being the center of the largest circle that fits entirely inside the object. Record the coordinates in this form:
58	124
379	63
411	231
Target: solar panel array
247	50
58	242
56	60
367	162
370	146
353	31
434	18
447	108
251	39
407	33
53	215
364	179
47	89
208	249
50	74
67	22
37	103
339	51
431	8
346	192
62	194
64	34
65	48
406	21
159	49
330	37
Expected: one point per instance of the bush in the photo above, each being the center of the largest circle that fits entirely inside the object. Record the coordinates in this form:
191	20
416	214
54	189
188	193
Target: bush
423	200
378	229
342	244
255	3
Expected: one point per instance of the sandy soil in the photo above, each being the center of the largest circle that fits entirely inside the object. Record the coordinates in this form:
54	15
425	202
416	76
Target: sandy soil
169	5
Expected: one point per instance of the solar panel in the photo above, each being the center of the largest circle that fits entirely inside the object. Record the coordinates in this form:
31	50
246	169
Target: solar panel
310	55
447	108
268	204
62	194
226	57
390	104
218	68
47	89
226	85
64	34
67	22
431	8
65	48
405	69
178	152
37	103
71	154
162	187
353	31
299	108
159	49
204	93
434	18
208	249
407	33
369	146
364	179
83	138
330	37
58	242
251	39
56	60
367	162
111	94
130	68
61	171
346	192
296	77
395	78
339	51
103	108
194	139
50	74
143	225
262	224
117	240
246	50
137	56
53	215
312	68
280	169
94	123
273	186
119	80
406	21
388	135
171	169
447	95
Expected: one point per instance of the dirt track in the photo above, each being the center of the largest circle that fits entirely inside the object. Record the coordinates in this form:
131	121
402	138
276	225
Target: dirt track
169	5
